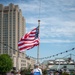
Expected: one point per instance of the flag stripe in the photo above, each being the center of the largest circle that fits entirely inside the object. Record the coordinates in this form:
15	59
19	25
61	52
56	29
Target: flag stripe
28	42
28	46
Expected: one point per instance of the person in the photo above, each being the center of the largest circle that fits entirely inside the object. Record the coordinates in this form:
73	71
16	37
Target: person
60	72
31	72
12	72
57	73
51	73
37	70
9	73
18	73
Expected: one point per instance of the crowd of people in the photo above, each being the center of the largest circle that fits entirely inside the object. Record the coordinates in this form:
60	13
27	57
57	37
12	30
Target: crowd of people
60	72
38	71
12	73
35	71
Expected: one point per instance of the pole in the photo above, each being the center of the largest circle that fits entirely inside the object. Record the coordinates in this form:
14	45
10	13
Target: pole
39	44
58	65
39	32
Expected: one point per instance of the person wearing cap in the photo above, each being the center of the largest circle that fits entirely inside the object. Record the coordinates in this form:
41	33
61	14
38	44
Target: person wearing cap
37	70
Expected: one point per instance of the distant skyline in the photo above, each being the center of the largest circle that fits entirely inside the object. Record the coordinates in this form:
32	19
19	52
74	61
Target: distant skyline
57	26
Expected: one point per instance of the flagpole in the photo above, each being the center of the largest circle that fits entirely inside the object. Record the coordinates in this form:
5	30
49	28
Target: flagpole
39	44
39	32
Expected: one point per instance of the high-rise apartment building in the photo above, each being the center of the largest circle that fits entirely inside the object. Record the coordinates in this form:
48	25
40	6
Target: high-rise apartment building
12	28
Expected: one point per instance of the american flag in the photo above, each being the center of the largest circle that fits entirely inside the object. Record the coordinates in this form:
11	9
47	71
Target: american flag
29	40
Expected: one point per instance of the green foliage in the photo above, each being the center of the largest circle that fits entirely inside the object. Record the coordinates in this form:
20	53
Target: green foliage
72	73
65	73
5	63
44	72
26	71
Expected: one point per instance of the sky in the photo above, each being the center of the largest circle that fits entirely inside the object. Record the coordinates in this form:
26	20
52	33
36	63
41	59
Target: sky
57	26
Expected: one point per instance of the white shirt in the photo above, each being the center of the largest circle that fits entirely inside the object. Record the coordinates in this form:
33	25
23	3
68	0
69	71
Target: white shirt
38	70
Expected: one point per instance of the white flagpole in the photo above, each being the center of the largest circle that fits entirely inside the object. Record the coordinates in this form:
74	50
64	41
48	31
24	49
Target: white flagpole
39	44
38	50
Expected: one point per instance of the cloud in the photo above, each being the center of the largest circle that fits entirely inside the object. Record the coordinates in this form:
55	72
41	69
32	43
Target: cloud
28	7
57	18
56	41
53	28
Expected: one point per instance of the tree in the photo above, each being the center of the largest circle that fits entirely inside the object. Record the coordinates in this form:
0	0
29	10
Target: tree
5	63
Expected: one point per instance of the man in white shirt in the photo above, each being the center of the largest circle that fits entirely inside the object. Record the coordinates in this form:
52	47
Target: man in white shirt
37	70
